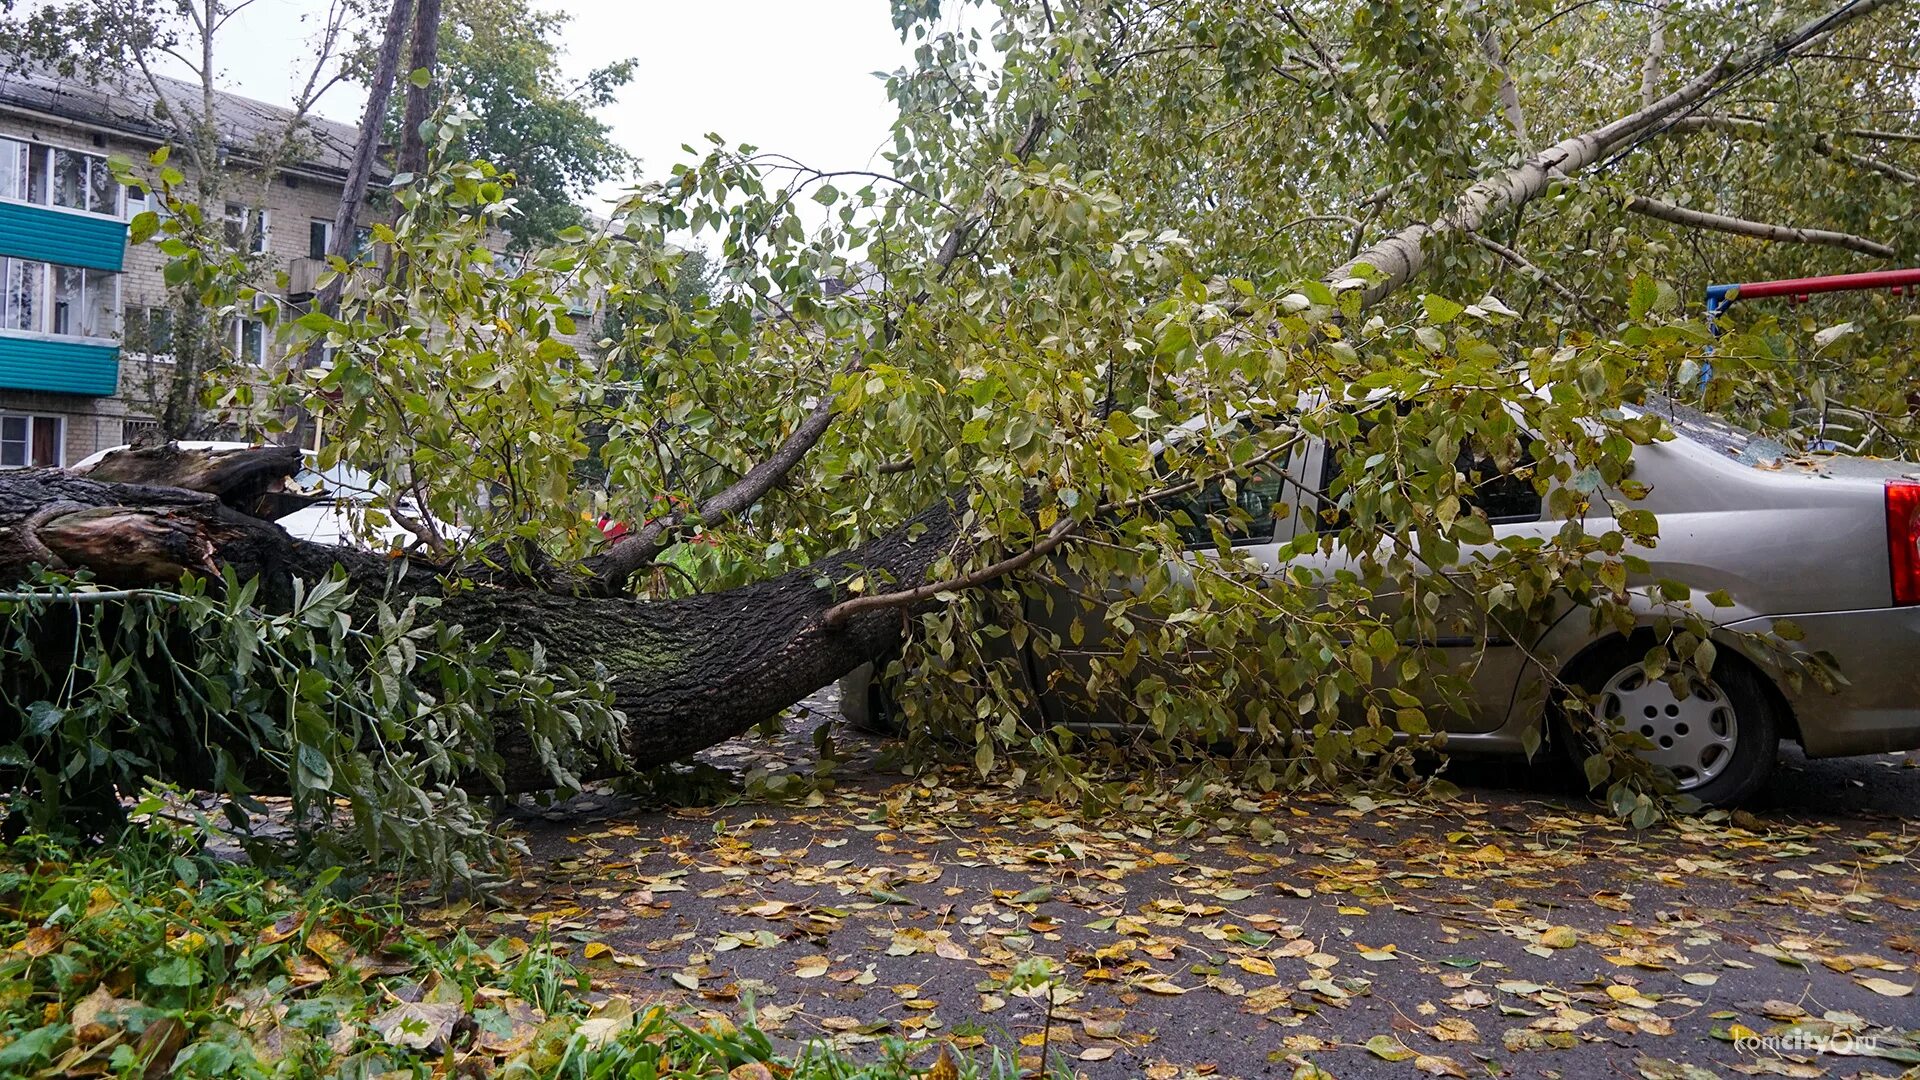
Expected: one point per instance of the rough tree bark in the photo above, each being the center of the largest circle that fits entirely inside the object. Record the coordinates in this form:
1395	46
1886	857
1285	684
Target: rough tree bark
687	673
423	55
372	120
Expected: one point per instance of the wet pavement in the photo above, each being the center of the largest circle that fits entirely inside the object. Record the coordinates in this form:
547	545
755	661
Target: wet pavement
1510	932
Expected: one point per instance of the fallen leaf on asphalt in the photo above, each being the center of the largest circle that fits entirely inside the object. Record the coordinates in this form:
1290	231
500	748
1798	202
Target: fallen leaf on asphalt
1389	1048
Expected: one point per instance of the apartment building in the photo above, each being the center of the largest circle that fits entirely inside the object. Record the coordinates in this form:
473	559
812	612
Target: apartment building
84	319
84	322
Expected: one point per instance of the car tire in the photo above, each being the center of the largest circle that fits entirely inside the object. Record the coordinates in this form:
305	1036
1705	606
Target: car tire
1720	743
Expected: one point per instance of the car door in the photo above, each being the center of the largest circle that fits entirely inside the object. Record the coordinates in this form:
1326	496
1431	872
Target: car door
1514	507
1090	653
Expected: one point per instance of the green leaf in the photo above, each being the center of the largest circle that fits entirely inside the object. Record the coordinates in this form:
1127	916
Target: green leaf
1440	310
143	226
420	77
318	770
1389	1048
43	717
1641	297
175	971
31	1048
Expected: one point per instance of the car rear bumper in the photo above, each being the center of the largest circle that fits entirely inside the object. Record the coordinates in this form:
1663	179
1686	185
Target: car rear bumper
1878	652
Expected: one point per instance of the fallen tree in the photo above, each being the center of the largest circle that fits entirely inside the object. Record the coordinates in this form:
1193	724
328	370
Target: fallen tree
1012	404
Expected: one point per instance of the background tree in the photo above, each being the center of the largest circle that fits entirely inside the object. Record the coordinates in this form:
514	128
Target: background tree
502	61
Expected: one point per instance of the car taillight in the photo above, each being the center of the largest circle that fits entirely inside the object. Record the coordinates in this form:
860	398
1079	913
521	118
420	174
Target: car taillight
1903	540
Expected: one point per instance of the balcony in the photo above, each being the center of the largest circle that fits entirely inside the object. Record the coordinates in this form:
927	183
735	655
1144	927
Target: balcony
58	365
68	237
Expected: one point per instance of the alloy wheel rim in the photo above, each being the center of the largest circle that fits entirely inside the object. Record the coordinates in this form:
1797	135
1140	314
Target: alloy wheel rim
1692	736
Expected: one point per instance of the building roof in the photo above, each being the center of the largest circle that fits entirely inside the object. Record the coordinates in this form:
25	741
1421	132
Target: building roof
128	105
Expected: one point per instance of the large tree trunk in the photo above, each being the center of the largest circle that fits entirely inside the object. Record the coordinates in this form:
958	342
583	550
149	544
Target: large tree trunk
687	673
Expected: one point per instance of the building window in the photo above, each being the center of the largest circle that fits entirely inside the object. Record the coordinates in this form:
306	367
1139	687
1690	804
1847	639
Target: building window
83	302
247	228
149	331
52	176
319	238
13	169
21	283
31	442
45	299
249	341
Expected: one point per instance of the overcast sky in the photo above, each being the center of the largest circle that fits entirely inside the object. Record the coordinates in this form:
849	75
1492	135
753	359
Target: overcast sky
787	75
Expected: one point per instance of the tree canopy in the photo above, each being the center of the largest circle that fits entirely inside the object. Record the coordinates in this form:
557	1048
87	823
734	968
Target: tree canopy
501	60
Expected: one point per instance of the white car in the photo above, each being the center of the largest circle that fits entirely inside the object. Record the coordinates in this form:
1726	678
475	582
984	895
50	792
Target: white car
340	518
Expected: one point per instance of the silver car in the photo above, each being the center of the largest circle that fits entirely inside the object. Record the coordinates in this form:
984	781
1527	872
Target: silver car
1830	542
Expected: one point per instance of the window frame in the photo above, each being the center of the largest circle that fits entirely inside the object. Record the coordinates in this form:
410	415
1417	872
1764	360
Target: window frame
255	226
30	423
93	163
151	347
237	339
1320	468
45	312
325	228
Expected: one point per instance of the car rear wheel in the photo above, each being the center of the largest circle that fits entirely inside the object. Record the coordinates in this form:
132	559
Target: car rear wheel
1717	738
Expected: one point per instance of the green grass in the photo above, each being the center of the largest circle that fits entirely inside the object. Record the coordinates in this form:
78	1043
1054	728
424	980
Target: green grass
145	960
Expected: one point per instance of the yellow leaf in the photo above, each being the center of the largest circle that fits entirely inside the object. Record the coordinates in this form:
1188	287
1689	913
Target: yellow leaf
1439	1066
596	949
1255	965
1559	937
40	941
1886	987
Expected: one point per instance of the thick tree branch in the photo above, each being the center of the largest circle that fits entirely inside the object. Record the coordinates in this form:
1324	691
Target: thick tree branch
1521	263
1397	258
1508	92
1054	537
372	122
1062	531
1754	128
1882	136
422	56
1759	230
1653	65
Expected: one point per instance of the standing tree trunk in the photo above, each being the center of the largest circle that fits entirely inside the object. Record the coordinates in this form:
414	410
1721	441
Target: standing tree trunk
423	56
372	122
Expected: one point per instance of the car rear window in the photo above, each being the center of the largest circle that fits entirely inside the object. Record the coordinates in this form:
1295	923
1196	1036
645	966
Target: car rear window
1714	433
